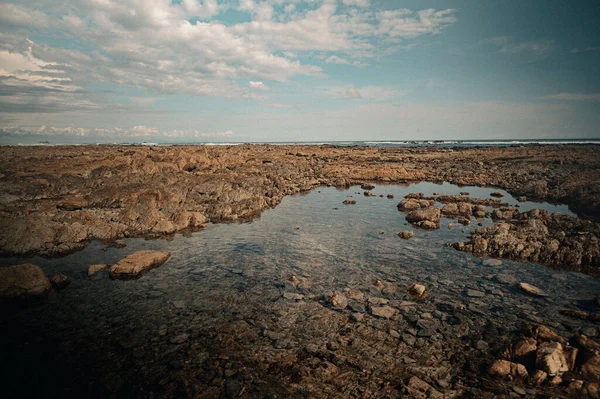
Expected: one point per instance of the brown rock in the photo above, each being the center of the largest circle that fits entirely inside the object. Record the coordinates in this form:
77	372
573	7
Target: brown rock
349	202
497	194
417	388
385	312
416	290
138	263
356	295
23	281
406	234
95	269
539	377
430	214
338	300
590	370
524	351
551	359
60	281
533	290
504	368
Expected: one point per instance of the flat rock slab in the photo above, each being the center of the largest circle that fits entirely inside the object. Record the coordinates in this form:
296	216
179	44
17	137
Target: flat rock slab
532	289
23	281
134	265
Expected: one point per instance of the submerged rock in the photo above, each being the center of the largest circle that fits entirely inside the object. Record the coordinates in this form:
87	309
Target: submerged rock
406	234
416	290
23	281
60	281
138	263
96	269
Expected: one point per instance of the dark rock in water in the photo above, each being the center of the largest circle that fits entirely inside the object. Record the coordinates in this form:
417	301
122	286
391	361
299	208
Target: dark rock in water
464	193
464	221
497	194
60	281
23	281
367	186
138	263
349	202
368	194
406	234
390	196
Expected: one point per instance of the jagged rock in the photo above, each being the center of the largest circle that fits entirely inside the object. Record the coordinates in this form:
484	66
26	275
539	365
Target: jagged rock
533	290
136	264
539	377
338	300
59	281
551	359
504	368
23	281
416	290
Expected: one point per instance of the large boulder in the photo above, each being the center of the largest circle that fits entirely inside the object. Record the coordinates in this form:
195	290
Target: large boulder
23	281
136	264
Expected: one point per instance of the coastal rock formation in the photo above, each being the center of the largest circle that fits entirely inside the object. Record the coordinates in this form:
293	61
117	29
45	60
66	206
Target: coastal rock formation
136	264
541	237
23	281
56	199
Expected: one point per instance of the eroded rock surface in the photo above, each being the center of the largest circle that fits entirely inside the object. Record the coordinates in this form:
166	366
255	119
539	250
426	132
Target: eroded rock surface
136	264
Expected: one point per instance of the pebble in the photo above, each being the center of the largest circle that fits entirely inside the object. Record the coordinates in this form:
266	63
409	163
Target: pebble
475	294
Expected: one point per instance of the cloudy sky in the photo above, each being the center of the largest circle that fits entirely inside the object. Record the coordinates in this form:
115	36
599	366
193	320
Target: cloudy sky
291	70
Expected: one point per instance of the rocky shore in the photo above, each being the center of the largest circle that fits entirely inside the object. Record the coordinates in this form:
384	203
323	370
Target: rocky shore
54	200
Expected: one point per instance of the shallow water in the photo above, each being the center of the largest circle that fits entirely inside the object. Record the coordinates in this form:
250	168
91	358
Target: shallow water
230	273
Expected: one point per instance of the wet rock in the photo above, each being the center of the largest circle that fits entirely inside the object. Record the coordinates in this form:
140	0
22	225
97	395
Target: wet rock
355	294
385	312
497	194
60	281
367	186
504	369
349	202
427	218
539	377
492	262
338	300
390	196
416	290
96	269
505	278
406	234
136	264
580	314
368	194
533	290
23	281
464	221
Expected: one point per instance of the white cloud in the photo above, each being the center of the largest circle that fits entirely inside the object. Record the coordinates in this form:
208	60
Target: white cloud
574	97
370	93
139	131
334	59
357	3
258	85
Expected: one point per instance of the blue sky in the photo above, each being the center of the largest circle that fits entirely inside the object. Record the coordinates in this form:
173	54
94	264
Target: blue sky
293	70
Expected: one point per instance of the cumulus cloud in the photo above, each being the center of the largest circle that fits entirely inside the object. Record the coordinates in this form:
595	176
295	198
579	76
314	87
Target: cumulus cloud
371	93
334	59
574	97
357	3
258	85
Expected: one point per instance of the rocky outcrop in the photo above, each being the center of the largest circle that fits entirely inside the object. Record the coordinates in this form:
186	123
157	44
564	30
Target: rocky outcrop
134	265
23	281
540	237
425	218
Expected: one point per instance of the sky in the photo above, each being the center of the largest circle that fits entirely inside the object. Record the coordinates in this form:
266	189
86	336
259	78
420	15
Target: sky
83	71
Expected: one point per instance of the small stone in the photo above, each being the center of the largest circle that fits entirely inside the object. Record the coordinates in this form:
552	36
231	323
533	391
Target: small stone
60	281
505	278
533	290
179	339
97	268
551	359
504	368
162	330
179	304
475	294
589	332
355	294
394	334
378	301
385	312
408	339
416	290
539	377
357	317
406	234
293	296
390	196
338	300
349	202
497	194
